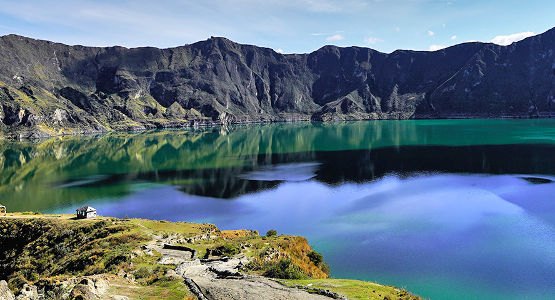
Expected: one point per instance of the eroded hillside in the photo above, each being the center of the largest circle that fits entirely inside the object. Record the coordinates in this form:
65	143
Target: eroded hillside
49	88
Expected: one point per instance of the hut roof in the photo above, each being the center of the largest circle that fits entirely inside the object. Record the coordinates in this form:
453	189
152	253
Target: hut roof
86	209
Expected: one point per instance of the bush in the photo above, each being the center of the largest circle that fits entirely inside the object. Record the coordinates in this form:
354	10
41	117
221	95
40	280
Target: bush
284	269
115	260
142	272
271	233
315	257
15	283
325	269
226	249
229	249
61	250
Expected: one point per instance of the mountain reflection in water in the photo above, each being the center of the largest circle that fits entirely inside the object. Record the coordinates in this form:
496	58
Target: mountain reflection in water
228	163
449	209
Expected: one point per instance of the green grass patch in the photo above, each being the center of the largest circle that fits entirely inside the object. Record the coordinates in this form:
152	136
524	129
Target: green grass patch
163	289
354	289
183	228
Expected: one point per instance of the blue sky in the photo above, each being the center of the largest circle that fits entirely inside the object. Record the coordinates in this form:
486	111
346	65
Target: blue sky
289	26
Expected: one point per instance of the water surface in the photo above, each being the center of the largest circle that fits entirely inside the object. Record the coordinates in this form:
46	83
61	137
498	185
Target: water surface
449	209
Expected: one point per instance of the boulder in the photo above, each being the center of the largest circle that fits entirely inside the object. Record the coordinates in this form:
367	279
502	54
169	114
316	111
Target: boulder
5	292
82	292
28	292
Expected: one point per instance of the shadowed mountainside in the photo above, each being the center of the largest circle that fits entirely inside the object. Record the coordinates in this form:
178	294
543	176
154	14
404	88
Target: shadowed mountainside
49	88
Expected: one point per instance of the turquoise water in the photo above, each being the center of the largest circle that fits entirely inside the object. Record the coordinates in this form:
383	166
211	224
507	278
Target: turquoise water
449	209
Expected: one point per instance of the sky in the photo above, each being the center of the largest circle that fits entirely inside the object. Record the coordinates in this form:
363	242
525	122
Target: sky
286	26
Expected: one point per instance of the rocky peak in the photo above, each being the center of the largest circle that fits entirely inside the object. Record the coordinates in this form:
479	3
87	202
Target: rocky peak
220	81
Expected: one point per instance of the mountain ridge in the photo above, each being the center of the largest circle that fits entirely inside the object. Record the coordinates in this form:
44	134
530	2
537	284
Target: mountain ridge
49	88
14	35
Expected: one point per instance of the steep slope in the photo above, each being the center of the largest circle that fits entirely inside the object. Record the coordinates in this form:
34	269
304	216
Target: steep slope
49	88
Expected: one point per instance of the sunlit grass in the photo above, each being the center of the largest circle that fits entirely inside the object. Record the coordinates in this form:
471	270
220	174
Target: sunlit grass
354	289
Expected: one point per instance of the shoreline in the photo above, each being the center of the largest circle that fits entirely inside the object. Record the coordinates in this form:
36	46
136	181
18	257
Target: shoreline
204	126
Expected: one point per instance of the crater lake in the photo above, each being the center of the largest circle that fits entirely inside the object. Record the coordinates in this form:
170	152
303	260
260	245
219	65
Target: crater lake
448	209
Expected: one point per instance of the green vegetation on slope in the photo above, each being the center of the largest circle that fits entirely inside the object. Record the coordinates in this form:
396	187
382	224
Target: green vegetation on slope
45	250
34	249
353	289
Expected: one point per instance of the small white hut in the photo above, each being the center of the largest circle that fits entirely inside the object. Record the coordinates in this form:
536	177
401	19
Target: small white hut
85	212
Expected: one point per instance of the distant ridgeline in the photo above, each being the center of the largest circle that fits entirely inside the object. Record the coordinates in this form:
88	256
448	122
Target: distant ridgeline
49	88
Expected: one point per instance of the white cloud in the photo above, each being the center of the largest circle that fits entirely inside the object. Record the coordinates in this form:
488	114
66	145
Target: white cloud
505	40
279	50
335	37
372	40
436	47
453	37
430	33
397	29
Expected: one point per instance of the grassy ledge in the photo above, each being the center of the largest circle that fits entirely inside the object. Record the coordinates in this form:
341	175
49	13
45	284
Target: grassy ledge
351	289
63	257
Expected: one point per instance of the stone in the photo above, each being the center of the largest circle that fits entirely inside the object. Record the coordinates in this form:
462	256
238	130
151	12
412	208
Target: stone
28	292
5	292
171	274
82	292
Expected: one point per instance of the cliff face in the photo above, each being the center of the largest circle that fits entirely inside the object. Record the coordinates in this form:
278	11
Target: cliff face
49	88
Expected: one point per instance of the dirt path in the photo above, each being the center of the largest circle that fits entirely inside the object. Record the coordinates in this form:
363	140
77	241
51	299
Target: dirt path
220	279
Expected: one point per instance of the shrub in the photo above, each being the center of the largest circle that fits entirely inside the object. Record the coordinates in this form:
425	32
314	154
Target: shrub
157	274
15	283
284	269
142	272
315	257
325	269
271	233
226	249
229	249
57	292
115	260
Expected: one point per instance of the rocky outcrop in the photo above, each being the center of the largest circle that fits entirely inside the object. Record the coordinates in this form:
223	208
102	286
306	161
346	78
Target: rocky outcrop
221	279
49	88
5	292
220	276
28	292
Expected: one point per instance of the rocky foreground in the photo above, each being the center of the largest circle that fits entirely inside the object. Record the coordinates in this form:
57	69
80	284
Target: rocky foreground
57	257
50	89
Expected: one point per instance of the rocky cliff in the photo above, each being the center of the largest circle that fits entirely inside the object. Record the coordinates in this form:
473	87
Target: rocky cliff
49	88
